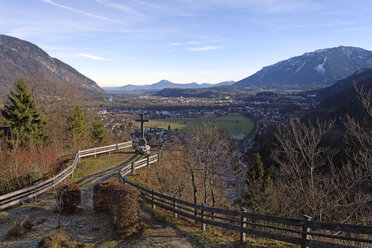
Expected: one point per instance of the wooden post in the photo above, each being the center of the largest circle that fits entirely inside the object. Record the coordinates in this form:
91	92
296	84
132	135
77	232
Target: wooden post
117	147
243	219
203	226
175	215
54	184
152	199
305	229
133	169
148	161
158	158
64	181
95	152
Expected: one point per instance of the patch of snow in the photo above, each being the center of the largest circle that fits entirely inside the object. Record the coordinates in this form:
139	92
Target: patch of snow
320	68
299	68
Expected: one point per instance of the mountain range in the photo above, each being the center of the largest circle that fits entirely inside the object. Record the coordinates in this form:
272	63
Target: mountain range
50	76
163	84
316	69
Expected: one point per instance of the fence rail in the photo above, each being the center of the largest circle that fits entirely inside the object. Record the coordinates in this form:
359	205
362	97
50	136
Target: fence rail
303	232
33	191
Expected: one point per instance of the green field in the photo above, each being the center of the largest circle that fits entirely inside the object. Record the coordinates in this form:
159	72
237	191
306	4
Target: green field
232	124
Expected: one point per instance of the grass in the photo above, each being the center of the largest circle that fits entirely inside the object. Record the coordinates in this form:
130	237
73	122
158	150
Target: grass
91	165
232	124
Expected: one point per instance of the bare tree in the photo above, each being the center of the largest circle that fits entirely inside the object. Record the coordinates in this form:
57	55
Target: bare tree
302	160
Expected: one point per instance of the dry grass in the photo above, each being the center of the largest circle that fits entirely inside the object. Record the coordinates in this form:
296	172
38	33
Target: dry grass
58	238
20	228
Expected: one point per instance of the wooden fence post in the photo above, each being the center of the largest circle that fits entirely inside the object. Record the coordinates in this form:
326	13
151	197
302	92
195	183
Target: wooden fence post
133	169
148	161
158	158
203	226
243	219
54	184
305	229
175	215
152	199
95	152
117	147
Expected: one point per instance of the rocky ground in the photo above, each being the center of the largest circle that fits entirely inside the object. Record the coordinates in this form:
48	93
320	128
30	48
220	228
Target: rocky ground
86	226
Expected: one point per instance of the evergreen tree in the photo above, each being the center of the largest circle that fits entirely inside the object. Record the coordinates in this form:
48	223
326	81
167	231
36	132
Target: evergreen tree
99	134
76	125
25	124
259	195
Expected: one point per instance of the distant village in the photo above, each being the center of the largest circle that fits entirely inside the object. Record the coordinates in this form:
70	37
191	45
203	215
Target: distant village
264	111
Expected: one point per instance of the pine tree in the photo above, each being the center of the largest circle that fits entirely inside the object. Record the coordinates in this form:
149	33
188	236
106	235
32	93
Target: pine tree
76	125
99	134
25	124
259	195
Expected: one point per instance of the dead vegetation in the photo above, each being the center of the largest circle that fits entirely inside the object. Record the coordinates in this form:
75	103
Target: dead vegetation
69	196
59	238
122	203
20	228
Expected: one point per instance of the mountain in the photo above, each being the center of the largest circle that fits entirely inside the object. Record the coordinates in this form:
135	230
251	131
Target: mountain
163	84
341	99
311	70
19	58
360	76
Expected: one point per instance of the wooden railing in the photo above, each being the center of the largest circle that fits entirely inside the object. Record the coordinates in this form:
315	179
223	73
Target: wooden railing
304	232
33	191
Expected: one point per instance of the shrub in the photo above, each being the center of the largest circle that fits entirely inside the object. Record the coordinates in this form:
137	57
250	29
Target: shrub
69	196
123	207
58	238
100	195
20	228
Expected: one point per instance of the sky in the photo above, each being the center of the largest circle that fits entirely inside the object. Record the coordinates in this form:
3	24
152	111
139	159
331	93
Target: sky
119	42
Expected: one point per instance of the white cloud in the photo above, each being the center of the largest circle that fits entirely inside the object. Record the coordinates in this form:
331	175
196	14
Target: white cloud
124	8
204	48
185	43
78	11
93	57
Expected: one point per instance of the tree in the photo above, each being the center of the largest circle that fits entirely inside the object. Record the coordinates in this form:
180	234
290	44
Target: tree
259	195
99	134
25	124
208	157
76	125
303	161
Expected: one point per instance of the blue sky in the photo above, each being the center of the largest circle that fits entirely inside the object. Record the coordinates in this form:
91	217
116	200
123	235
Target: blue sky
117	42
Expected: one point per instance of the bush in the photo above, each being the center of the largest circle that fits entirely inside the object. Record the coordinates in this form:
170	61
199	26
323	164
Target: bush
20	228
100	195
58	238
69	197
123	207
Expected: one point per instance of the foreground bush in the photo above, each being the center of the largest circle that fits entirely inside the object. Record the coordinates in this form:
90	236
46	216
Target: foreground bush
100	195
20	228
122	203
58	238
69	197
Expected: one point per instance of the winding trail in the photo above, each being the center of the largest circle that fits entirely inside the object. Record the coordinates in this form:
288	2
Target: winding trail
87	225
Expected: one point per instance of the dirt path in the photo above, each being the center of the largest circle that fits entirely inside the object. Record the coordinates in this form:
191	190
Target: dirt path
87	225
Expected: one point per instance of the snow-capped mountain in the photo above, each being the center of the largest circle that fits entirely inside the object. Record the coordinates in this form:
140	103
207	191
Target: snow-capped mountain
310	70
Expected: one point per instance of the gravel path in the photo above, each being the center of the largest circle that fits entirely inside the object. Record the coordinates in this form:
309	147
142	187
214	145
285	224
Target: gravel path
87	225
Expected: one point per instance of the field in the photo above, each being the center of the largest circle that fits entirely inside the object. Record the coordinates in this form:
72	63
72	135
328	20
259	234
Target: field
232	124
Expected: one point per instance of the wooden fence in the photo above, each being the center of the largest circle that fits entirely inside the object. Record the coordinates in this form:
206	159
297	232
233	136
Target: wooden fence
33	191
304	232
